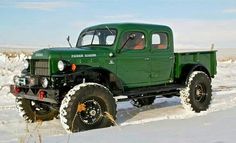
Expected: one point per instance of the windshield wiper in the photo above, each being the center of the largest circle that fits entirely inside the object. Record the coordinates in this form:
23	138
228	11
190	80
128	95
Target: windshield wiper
109	30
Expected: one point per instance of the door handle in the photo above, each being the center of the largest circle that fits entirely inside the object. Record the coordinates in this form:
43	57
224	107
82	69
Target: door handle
171	57
146	59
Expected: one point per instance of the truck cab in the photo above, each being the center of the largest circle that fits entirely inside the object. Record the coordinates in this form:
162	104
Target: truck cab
150	63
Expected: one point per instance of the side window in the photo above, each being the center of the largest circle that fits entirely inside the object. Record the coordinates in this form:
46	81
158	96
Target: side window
159	41
135	43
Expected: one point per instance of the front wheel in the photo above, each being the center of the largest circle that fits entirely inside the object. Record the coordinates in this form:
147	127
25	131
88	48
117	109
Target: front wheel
87	106
33	111
197	95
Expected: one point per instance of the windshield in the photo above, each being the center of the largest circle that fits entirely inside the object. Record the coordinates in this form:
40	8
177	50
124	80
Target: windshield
104	37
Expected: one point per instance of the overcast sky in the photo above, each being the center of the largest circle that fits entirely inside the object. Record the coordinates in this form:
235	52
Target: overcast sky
196	23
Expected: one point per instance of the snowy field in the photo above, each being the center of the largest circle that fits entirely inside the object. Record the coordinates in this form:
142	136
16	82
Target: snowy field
166	121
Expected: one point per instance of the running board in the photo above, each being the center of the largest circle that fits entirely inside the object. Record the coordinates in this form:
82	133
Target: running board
158	91
122	98
154	90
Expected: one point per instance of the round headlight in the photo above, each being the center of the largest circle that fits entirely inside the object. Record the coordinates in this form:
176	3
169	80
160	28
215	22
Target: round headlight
44	82
26	64
61	65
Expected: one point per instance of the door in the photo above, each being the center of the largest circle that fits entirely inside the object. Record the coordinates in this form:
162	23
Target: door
162	58
133	65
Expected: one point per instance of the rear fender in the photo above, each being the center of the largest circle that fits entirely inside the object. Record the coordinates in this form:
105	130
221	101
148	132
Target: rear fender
187	70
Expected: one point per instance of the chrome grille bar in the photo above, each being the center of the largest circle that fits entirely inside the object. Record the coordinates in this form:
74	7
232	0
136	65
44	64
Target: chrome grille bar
41	67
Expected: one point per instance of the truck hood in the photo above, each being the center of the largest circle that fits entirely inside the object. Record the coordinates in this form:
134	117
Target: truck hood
67	53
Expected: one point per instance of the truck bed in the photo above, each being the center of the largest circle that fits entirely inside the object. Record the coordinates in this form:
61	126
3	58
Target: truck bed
205	58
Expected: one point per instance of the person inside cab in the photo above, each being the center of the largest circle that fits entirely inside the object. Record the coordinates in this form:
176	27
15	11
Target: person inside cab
139	42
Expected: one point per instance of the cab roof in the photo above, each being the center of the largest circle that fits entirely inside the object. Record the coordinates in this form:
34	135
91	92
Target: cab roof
125	26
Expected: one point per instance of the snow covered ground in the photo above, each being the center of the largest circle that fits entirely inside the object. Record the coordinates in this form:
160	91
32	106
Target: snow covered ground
164	121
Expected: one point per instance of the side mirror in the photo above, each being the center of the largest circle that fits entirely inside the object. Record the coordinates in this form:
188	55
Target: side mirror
68	40
132	36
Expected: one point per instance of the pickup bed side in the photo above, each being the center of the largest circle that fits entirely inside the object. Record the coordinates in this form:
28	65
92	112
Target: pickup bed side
185	61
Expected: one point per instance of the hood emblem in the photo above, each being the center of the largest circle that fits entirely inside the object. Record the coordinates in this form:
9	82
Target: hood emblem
77	56
90	55
111	62
83	55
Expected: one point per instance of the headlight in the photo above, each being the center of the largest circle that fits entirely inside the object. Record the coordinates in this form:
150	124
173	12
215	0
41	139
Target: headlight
26	64
61	65
44	82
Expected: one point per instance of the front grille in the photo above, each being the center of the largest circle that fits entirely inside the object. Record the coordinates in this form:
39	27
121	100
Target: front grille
41	67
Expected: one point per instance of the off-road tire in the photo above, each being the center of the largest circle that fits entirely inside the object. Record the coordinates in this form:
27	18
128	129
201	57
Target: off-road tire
29	112
196	96
70	117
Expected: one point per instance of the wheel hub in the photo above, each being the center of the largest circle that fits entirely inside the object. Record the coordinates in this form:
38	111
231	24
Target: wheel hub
200	93
91	113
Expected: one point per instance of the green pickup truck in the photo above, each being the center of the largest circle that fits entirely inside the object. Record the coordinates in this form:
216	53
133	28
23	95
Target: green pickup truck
111	62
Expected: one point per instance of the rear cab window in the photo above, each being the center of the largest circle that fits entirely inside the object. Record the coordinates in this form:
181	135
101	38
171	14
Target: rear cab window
159	40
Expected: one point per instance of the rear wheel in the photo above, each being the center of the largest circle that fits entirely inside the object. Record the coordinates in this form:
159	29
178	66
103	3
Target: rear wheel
197	95
33	111
87	106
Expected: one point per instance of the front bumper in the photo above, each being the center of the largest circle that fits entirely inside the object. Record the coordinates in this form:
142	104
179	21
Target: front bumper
31	87
44	95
